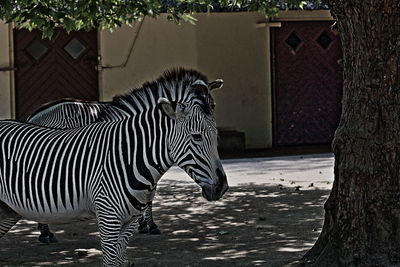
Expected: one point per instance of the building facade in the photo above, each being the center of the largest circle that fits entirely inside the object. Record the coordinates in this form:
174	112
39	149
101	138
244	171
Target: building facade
282	79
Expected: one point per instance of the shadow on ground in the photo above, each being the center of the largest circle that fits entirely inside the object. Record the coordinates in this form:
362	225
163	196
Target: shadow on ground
252	225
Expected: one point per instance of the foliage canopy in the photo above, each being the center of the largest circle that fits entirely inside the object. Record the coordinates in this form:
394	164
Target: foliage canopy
46	15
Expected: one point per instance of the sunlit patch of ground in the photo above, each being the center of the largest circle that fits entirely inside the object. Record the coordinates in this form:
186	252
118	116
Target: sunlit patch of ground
265	219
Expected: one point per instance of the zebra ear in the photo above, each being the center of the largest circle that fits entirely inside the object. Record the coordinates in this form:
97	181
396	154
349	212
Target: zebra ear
166	107
215	84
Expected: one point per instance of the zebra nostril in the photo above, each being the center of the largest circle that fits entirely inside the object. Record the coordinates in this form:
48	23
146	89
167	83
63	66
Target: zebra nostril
221	180
221	176
219	173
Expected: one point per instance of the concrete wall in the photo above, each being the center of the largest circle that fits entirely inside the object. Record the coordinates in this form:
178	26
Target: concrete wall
223	45
6	98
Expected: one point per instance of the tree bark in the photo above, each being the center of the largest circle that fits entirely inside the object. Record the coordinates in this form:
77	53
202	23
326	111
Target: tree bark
362	213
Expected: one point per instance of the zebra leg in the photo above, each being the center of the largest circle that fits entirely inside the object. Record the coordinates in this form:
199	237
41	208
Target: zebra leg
109	229
45	235
143	229
114	239
126	232
148	217
114	236
146	222
8	218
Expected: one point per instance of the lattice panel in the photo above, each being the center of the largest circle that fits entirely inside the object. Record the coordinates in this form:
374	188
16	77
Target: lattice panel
48	71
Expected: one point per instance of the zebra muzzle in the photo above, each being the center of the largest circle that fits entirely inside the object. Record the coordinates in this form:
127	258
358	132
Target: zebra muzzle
218	189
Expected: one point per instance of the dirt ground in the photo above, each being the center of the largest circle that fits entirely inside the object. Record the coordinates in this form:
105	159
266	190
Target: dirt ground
263	220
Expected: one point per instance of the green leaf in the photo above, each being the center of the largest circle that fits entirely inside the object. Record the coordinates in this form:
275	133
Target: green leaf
38	22
48	32
91	14
69	25
189	18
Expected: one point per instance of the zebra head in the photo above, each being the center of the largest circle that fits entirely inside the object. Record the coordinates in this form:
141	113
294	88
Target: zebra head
193	142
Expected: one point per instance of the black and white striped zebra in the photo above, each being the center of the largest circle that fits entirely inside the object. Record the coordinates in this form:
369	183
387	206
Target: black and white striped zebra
109	169
69	114
72	113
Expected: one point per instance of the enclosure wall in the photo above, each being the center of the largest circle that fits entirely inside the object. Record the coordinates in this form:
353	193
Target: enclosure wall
6	100
231	46
222	45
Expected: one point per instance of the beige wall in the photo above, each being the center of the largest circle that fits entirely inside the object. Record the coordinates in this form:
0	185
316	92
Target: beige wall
160	45
223	45
6	99
230	47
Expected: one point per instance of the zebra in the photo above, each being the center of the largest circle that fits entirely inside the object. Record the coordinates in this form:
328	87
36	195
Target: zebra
109	169
72	113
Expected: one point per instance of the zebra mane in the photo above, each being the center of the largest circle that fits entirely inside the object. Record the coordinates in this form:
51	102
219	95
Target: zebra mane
168	82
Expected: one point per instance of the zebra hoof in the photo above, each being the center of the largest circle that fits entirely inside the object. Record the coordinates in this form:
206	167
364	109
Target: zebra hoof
143	229
47	239
154	231
44	239
53	238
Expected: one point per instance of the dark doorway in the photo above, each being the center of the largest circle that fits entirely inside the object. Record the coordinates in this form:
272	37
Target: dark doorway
47	70
307	83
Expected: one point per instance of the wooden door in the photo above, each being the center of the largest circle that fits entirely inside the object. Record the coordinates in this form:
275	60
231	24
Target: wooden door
47	70
307	83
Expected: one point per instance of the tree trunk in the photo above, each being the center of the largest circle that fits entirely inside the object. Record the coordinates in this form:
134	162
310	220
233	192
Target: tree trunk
362	214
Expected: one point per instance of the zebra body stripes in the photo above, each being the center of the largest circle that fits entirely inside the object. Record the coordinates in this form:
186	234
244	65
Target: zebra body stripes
69	114
109	169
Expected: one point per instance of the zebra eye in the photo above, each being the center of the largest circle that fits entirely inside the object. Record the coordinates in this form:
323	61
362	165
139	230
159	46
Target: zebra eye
182	106
197	137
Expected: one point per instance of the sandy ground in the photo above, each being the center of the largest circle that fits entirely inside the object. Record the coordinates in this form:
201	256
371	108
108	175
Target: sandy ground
271	216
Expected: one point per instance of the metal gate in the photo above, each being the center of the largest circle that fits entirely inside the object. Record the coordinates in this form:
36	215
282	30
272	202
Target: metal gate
307	83
63	67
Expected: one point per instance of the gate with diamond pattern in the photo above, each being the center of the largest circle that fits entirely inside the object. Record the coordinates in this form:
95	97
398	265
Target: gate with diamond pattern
307	83
47	70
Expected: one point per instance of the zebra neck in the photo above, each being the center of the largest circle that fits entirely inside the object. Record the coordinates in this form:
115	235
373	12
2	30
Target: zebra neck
145	149
147	141
142	156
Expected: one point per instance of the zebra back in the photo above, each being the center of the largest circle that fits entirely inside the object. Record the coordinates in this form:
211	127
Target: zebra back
71	113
